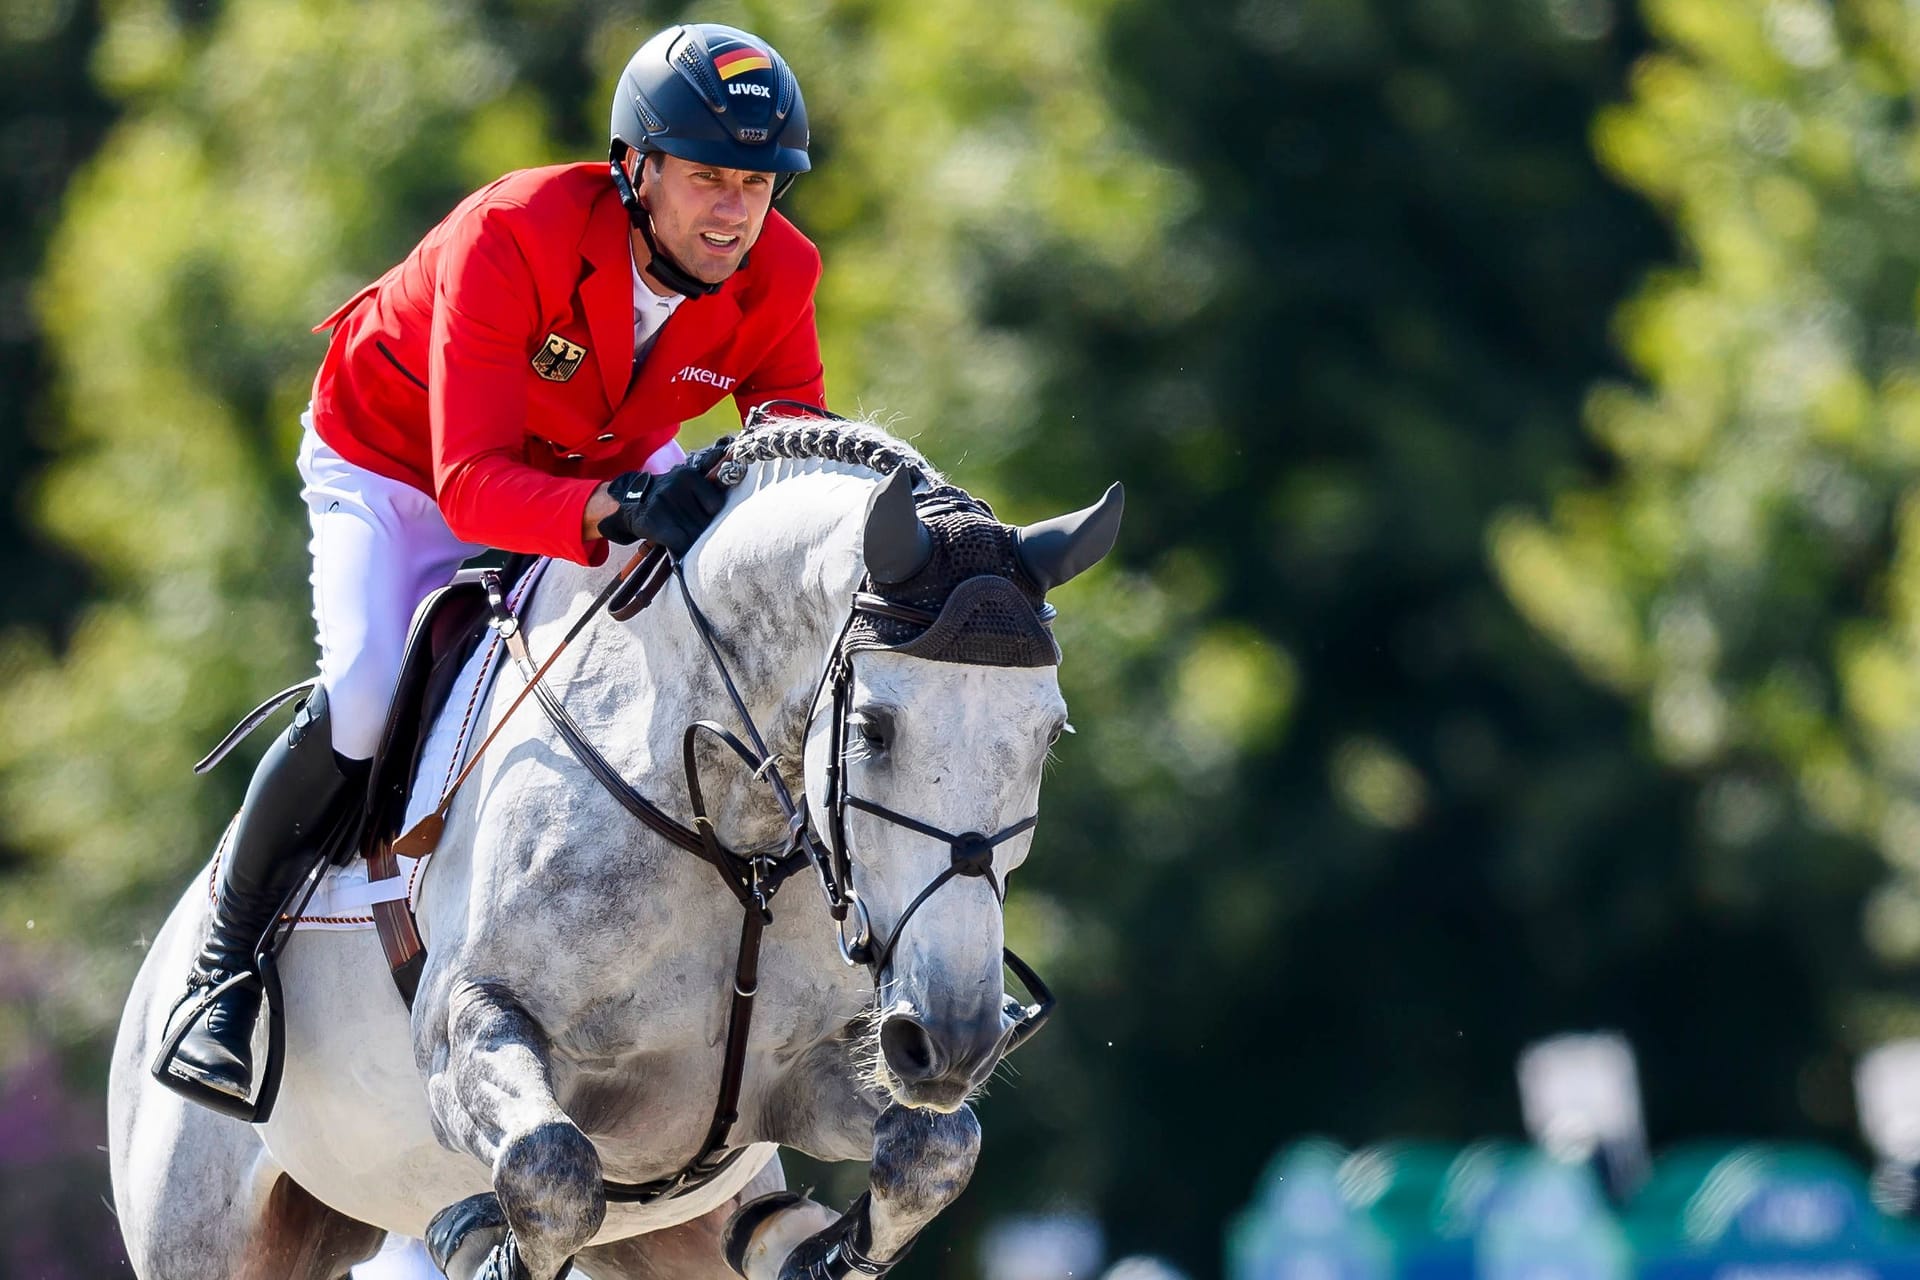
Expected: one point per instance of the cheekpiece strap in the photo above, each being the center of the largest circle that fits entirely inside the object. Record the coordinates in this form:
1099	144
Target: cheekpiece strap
868	602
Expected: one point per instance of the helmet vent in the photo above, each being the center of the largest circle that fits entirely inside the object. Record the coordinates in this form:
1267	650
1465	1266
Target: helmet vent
648	121
695	66
784	103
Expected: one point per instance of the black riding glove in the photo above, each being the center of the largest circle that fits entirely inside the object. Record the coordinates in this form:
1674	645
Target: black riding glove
670	510
702	460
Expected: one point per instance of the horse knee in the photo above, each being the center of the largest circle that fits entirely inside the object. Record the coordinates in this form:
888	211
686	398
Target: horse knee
548	1181
922	1160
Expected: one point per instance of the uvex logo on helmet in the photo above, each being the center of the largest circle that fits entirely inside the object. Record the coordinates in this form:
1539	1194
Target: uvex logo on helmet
738	62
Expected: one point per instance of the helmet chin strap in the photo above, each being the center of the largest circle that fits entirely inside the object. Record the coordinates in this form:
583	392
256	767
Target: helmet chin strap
661	265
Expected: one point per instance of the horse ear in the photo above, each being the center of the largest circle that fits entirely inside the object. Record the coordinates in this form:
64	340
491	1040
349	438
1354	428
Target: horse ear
898	545
1064	547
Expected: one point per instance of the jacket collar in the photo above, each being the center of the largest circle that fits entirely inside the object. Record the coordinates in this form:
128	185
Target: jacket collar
607	292
607	295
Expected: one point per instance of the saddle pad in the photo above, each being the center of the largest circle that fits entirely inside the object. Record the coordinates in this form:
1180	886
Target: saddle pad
344	898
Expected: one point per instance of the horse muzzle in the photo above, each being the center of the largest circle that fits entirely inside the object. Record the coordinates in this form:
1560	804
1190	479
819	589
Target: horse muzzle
936	1064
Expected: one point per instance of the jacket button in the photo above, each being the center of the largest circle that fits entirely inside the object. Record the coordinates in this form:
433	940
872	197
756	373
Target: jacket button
575	457
604	438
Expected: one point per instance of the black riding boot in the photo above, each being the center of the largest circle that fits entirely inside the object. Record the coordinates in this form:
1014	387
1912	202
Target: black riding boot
299	792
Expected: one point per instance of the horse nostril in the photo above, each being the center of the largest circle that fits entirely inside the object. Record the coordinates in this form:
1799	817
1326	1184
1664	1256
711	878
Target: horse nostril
908	1049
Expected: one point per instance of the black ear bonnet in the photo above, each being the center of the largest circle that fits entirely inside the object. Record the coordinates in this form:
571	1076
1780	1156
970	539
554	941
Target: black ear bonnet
971	602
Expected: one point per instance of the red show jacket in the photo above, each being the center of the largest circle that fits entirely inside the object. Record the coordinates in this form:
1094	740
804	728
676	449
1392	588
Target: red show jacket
430	376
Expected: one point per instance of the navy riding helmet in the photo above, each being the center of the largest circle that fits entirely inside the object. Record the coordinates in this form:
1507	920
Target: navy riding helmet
710	94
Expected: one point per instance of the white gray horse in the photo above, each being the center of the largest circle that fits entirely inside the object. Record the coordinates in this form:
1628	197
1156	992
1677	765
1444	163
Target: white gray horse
573	1013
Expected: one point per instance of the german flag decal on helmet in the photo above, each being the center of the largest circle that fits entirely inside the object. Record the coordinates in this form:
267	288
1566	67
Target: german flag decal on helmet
741	61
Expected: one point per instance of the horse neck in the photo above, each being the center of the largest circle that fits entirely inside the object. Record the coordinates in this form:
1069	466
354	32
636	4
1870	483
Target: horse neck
774	578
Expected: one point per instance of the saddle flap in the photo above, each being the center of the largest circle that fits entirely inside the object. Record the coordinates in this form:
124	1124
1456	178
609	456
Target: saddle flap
447	627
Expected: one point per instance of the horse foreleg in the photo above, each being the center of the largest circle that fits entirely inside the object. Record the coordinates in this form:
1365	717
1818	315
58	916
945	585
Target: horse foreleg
492	1096
922	1161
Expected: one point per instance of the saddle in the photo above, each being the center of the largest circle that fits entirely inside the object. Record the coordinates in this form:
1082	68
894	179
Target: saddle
448	626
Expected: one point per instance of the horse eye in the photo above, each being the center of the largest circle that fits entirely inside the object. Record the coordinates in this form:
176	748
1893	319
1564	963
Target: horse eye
874	731
1053	738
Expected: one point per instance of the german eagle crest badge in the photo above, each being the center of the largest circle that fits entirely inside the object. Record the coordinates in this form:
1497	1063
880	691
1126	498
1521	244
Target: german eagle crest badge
557	359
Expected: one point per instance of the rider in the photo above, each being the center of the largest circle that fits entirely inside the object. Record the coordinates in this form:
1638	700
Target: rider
555	330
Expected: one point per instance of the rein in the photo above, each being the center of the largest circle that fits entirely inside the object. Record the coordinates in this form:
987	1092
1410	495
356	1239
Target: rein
753	879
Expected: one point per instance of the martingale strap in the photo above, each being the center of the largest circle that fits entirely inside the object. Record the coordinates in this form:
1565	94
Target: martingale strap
752	880
399	932
425	834
651	815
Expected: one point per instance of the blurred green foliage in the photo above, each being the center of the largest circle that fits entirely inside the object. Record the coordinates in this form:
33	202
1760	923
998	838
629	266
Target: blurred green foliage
51	118
1749	570
1413	722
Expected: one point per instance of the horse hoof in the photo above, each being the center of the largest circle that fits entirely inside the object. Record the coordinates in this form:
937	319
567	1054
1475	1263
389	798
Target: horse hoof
747	1219
463	1237
471	1240
839	1252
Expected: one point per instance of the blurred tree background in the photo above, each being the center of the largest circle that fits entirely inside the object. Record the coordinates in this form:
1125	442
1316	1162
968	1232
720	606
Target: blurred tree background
1516	623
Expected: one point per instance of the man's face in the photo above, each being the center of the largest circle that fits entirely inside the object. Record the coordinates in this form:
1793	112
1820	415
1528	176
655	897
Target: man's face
705	216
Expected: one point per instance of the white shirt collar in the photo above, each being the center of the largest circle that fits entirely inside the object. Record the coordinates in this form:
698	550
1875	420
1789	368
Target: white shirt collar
650	310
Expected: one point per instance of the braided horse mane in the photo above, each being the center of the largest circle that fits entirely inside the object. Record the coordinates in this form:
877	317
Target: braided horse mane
964	544
831	440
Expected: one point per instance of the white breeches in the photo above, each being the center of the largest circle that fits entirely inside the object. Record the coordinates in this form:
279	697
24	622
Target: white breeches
379	547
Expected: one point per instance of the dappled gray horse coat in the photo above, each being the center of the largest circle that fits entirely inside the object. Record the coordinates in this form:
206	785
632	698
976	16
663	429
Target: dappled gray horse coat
572	1010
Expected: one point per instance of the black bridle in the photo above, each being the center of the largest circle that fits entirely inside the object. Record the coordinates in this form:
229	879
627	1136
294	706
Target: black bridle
971	852
755	878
